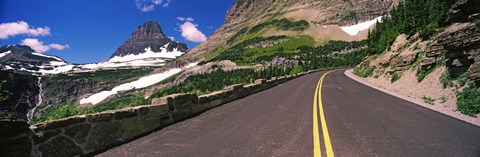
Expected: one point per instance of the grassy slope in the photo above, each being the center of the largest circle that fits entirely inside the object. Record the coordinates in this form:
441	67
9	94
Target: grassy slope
251	35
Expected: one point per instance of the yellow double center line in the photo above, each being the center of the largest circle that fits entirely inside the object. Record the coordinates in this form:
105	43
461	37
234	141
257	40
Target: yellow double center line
317	102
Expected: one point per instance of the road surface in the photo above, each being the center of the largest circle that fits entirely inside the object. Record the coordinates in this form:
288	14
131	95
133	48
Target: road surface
346	118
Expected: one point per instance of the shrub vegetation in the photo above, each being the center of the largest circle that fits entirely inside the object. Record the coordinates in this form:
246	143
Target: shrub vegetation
409	17
468	100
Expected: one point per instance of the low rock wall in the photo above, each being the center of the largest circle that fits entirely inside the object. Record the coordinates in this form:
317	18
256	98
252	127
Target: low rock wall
89	134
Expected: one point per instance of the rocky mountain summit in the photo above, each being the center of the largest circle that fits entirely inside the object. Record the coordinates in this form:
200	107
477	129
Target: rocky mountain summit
149	34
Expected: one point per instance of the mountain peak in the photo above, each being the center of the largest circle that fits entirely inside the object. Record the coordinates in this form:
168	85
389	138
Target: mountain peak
149	34
150	29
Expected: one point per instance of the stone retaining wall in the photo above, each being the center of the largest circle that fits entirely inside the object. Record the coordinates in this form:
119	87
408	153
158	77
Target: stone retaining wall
89	134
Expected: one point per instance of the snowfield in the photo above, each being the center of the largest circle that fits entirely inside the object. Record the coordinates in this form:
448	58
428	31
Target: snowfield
138	84
148	58
5	53
148	54
47	56
56	63
355	29
58	70
135	63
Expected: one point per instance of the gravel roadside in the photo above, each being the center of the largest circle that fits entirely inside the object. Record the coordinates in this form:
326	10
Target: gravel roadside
438	108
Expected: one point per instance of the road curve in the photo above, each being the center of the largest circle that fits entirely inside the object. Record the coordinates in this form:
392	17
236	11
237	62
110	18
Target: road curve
361	121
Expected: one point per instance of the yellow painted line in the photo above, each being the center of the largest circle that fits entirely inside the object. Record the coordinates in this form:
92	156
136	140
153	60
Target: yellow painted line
316	136
326	136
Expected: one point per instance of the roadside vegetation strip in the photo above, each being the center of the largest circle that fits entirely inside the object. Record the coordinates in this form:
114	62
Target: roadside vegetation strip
326	137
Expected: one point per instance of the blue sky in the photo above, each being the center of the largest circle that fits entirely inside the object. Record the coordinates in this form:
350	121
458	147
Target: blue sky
90	31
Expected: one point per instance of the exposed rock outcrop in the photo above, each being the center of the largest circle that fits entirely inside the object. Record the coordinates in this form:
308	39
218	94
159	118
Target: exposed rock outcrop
463	11
18	94
438	67
149	34
459	44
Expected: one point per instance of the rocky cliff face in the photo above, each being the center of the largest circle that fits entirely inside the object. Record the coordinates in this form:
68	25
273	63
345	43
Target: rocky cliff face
459	44
331	12
18	94
438	67
57	91
149	34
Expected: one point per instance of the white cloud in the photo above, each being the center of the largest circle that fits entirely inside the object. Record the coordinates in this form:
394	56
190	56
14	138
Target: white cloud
167	2
147	8
172	38
40	47
58	46
21	27
185	19
36	45
149	5
191	33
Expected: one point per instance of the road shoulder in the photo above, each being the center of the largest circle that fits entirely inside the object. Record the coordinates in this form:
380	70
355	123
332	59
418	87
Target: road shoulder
454	114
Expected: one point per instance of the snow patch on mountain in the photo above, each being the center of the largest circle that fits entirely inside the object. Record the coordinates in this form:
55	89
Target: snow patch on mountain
355	29
5	53
47	56
164	53
147	58
57	63
138	84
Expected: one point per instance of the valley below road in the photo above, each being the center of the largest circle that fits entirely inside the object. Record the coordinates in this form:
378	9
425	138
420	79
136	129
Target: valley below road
346	118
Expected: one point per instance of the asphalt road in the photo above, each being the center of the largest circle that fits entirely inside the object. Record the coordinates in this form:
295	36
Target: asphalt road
360	121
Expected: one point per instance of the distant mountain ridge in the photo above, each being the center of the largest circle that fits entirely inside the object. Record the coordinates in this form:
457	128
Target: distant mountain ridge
23	58
22	53
149	34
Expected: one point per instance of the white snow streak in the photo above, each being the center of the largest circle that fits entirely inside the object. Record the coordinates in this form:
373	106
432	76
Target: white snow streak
5	53
8	68
56	63
140	83
57	70
148	58
192	65
354	29
47	56
148	54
